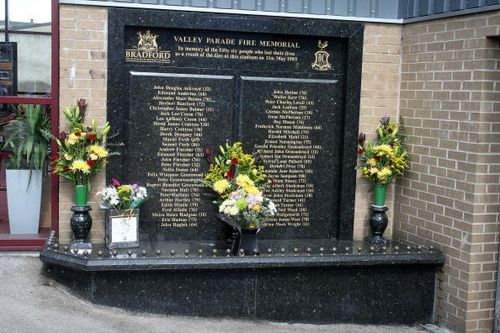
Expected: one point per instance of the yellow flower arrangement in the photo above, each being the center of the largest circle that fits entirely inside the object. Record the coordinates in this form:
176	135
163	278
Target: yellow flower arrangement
386	157
238	180
81	148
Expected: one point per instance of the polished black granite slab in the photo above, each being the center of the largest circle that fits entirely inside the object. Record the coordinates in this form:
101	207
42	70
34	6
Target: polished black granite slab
320	281
287	88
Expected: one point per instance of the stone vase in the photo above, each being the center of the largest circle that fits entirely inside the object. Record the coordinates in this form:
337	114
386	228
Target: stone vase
81	222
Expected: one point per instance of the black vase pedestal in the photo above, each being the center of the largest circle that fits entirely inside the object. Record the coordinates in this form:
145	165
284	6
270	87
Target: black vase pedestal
81	222
378	224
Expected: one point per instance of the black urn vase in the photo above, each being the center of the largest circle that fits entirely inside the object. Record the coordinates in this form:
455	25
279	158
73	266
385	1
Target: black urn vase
249	243
81	222
378	224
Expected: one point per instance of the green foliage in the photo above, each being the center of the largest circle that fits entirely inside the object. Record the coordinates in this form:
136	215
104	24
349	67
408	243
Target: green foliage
28	138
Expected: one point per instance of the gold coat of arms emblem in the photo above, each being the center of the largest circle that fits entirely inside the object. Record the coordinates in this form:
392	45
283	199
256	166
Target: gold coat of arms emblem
147	42
321	62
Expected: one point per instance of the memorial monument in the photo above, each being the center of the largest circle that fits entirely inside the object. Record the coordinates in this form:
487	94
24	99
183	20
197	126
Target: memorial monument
288	89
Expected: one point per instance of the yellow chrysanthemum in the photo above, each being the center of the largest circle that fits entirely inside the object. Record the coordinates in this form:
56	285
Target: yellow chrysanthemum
68	157
80	165
244	181
384	150
256	208
384	174
98	150
374	171
372	161
72	139
251	189
221	186
93	157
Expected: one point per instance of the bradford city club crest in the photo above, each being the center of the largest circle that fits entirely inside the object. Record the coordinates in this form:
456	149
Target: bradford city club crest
321	62
147	50
147	42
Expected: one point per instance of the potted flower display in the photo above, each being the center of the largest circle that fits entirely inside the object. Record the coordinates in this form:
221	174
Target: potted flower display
28	138
238	180
81	155
380	161
121	203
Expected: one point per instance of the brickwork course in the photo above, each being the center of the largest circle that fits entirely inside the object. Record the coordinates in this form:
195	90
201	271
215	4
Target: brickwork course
442	77
450	103
83	74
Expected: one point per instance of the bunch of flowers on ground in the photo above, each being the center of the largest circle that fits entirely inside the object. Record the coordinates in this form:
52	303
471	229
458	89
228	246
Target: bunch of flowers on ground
239	180
387	156
122	196
81	148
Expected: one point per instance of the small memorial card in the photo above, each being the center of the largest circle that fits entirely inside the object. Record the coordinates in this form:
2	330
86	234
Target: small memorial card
124	229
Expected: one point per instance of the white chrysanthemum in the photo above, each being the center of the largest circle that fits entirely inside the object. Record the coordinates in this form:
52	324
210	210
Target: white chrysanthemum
233	211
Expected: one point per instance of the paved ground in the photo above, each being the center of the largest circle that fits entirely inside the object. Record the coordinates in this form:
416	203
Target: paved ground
30	303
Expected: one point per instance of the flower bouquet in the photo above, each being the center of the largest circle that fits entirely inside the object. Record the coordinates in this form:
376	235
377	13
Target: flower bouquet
81	151
239	180
121	203
380	161
122	197
384	158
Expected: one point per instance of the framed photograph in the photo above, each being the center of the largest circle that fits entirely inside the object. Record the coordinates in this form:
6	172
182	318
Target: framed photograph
122	229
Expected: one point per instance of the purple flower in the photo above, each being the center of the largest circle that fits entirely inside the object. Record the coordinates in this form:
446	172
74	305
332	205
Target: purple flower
82	105
207	153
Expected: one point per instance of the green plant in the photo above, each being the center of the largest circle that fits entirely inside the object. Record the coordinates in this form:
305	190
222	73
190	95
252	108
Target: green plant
28	138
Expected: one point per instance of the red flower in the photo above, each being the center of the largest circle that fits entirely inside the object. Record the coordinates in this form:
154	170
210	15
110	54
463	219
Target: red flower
273	181
63	135
90	163
229	175
92	137
234	161
389	130
361	151
78	134
207	153
377	158
361	139
115	182
65	169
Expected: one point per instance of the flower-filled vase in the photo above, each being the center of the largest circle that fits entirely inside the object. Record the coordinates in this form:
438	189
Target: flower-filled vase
380	161
81	154
238	181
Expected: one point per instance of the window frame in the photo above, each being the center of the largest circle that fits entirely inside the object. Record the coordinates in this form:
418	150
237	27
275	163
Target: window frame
37	241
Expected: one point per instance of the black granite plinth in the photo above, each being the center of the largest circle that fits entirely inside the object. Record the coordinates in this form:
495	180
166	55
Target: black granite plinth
320	281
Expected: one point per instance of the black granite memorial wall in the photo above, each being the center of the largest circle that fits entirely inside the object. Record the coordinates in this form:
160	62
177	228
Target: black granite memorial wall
288	89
